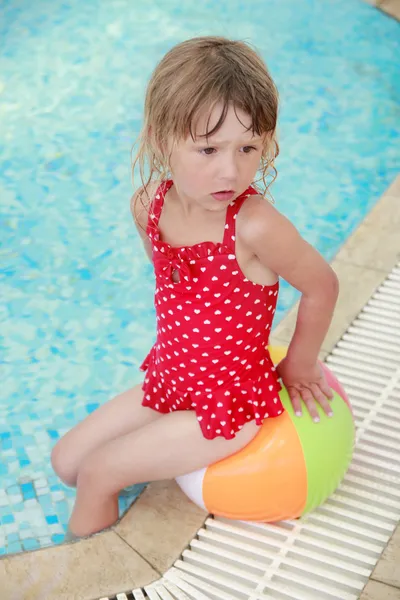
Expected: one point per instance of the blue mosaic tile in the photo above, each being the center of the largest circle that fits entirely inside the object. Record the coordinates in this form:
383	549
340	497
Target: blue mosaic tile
7	519
30	544
57	538
14	547
79	317
52	519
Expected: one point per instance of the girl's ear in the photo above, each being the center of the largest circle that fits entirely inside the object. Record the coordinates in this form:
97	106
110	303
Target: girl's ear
268	142
160	148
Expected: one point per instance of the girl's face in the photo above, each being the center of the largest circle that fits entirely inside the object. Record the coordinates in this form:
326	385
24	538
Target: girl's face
225	162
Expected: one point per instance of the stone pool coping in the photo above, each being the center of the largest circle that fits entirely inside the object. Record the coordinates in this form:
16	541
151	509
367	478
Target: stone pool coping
161	522
390	7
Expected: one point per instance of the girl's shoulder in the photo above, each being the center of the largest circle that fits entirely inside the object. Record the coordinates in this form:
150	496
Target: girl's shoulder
257	209
259	219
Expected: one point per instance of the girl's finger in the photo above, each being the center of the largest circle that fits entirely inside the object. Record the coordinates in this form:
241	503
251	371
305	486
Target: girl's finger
321	399
295	400
310	403
325	388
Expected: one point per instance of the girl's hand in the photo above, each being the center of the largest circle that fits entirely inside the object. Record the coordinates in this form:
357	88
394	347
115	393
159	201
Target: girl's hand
307	384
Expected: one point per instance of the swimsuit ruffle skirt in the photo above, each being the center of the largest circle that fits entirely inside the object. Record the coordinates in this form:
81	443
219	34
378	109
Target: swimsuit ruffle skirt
210	355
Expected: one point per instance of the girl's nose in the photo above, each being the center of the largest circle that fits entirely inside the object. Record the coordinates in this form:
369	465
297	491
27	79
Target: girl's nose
228	170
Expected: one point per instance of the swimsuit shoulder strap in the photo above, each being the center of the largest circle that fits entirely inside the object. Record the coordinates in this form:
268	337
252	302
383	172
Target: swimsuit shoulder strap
156	206
231	215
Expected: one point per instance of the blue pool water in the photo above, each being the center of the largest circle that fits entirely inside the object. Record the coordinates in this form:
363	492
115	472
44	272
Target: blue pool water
76	314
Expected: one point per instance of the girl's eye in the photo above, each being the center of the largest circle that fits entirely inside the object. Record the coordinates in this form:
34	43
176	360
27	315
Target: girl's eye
248	149
244	149
207	151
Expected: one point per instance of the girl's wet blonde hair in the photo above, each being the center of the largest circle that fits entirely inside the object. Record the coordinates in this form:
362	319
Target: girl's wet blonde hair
188	82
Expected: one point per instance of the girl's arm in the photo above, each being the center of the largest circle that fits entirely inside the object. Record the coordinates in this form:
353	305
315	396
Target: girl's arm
140	205
278	245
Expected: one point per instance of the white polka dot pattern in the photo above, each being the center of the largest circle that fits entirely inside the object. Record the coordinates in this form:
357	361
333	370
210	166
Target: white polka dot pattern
213	326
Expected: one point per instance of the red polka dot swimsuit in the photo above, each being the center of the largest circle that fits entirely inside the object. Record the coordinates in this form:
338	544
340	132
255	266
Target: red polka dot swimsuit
213	326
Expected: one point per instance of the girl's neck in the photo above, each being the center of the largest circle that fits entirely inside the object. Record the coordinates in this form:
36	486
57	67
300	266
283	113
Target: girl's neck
187	206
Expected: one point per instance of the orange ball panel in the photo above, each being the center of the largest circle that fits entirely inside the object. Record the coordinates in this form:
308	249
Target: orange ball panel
268	475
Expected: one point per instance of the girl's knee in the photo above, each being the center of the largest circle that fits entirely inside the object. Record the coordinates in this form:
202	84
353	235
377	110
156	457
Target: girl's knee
62	463
93	475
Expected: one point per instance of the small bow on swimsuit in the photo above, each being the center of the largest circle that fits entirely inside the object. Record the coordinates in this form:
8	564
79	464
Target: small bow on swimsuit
169	265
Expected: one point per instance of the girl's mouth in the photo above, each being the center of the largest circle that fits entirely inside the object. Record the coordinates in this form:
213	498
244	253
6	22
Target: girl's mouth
224	195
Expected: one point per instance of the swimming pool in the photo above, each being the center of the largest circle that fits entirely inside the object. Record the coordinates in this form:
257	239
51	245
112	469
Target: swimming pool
78	315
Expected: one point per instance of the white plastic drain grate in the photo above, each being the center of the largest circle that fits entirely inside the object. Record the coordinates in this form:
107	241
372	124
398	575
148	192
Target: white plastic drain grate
329	554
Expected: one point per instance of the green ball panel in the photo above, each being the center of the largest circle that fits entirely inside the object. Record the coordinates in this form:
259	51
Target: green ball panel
327	447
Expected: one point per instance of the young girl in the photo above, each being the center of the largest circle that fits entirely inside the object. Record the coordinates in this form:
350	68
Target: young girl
218	247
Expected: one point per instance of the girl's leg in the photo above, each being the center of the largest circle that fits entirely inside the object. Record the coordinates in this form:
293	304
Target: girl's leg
122	414
171	446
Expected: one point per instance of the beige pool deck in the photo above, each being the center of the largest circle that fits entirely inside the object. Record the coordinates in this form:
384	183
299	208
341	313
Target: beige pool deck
390	7
159	525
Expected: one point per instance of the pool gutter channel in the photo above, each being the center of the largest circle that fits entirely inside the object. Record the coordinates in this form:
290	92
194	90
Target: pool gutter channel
344	538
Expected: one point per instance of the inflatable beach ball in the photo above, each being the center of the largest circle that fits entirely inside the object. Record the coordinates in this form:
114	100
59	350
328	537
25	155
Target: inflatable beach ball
292	465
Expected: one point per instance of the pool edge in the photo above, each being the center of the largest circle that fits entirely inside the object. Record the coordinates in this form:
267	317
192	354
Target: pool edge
162	512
